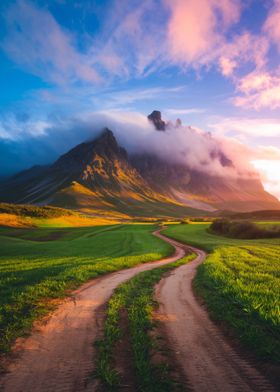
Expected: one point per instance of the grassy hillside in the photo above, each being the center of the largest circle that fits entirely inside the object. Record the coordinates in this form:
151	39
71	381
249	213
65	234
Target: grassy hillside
125	203
25	215
26	210
253	215
41	264
91	212
240	283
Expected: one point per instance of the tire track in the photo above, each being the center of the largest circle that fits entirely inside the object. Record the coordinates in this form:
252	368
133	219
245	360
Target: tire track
208	361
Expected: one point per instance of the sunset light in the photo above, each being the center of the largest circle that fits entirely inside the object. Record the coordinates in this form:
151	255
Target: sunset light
139	195
270	174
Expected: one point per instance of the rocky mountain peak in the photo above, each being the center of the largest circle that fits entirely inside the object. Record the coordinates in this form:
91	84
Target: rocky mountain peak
155	118
107	136
106	141
104	145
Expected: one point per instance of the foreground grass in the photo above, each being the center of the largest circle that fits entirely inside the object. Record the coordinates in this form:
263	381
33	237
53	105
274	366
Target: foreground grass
240	283
136	298
39	265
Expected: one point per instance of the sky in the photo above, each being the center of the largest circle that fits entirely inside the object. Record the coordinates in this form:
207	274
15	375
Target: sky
213	63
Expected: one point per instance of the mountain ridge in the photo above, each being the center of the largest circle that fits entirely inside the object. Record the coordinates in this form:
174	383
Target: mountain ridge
100	175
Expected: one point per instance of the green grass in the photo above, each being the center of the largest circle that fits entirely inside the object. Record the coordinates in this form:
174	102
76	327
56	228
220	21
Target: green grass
34	211
37	265
240	283
136	298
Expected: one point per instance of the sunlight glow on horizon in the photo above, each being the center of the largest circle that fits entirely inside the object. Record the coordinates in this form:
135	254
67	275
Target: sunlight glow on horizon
270	175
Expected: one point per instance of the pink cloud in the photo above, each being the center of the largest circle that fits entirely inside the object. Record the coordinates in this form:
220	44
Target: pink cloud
197	36
242	49
227	65
261	87
196	27
259	90
255	81
139	40
272	24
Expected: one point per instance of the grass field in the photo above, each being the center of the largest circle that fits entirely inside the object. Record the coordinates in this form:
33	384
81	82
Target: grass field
240	283
37	265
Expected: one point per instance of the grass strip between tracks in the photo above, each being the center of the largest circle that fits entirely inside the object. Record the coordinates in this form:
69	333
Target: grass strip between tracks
136	297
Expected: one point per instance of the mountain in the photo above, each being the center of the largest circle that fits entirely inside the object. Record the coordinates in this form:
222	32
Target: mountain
95	177
100	177
202	190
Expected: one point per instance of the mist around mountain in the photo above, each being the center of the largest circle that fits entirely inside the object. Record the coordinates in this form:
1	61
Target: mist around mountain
193	177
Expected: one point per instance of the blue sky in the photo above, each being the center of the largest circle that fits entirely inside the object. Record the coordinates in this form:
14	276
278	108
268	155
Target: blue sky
215	64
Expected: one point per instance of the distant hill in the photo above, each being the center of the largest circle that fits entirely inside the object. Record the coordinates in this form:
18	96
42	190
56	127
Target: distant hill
100	176
255	215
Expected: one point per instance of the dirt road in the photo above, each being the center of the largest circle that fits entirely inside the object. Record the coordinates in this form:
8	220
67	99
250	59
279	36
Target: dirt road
209	363
59	354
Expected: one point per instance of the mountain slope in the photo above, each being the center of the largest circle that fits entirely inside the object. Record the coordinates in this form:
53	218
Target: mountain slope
94	177
99	177
202	190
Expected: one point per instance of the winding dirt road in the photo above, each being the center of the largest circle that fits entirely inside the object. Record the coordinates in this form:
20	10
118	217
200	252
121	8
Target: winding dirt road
207	360
59	354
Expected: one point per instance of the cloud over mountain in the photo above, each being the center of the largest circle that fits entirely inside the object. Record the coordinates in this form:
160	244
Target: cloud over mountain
197	149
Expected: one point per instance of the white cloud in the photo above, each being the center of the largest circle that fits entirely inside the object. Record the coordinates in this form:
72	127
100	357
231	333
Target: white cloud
271	153
195	148
246	127
269	171
179	112
12	129
136	44
37	42
126	97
